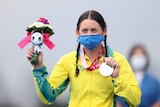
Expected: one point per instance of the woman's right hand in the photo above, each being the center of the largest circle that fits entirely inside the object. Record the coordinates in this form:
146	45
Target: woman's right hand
40	57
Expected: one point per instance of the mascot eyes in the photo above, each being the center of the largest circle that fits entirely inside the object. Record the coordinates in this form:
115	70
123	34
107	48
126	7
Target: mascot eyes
39	38
33	38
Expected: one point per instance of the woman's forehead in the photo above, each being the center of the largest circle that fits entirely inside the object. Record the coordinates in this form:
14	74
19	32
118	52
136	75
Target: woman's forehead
89	23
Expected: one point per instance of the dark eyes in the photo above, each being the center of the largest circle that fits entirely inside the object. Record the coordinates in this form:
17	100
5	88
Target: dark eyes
33	38
39	39
84	30
94	30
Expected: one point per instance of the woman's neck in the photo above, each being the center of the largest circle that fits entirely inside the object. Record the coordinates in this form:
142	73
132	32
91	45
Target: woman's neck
92	54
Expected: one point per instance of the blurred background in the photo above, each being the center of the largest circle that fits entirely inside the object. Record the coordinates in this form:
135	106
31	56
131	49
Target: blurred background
129	22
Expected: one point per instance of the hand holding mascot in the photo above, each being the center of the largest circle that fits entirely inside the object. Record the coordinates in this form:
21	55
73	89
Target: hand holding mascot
38	33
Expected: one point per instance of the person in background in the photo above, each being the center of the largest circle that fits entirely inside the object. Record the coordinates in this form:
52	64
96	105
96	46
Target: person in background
150	87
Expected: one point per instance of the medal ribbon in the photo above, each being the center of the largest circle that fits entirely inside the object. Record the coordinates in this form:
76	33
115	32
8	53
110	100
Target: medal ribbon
94	64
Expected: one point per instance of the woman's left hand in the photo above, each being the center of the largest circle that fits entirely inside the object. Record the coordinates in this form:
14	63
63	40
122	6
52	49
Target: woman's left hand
113	63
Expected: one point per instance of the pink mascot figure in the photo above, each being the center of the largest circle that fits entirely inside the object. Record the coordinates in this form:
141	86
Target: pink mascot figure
38	33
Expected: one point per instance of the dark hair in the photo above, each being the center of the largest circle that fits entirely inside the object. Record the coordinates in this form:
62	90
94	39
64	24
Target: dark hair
142	47
93	15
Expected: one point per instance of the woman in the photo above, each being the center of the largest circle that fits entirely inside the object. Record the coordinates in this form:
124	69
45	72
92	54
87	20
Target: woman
149	85
88	88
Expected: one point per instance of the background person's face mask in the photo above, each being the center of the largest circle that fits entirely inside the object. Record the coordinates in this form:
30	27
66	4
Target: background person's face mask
91	41
138	62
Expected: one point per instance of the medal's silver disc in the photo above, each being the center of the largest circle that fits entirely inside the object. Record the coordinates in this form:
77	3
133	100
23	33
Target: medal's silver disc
105	69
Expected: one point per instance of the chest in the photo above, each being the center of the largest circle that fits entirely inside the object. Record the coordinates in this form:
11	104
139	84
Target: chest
91	82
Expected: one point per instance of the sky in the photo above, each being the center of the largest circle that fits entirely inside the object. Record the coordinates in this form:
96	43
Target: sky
128	22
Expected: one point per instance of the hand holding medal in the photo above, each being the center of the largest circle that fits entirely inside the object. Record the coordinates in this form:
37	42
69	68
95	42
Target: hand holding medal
109	68
105	69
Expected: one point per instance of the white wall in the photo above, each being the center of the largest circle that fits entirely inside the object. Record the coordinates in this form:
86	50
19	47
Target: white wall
129	22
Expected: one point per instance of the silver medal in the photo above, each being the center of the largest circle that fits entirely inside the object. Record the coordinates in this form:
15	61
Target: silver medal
105	69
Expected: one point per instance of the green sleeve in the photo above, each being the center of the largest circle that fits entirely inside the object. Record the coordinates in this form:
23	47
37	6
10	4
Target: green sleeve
45	91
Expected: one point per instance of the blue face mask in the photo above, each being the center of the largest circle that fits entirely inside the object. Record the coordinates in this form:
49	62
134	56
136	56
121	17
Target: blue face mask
90	41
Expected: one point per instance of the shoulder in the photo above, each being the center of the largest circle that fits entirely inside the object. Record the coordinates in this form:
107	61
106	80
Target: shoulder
150	82
69	56
121	59
151	78
116	55
72	53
